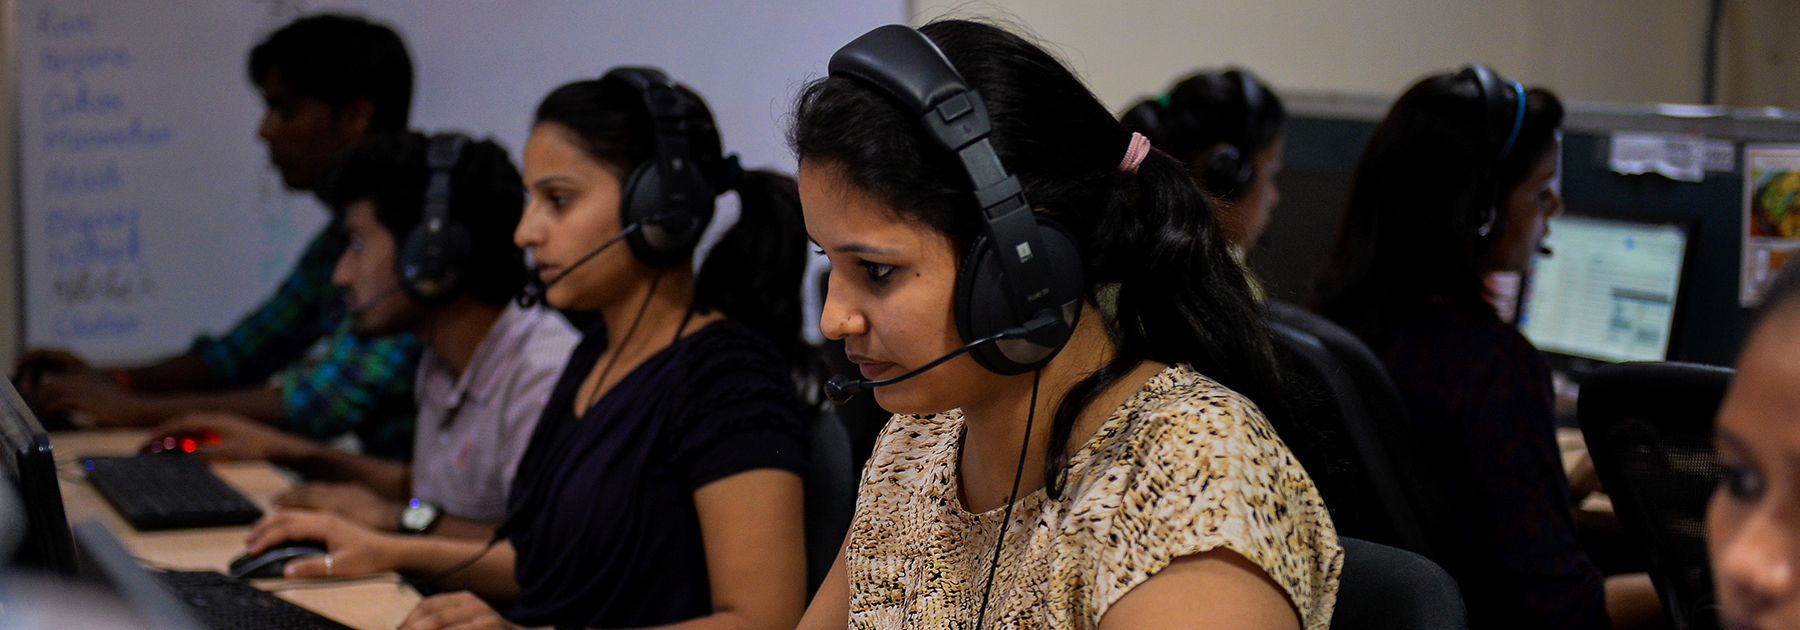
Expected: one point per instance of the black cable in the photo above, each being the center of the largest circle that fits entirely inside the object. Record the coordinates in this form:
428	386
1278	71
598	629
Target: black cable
626	339
431	580
1013	495
629	331
1709	75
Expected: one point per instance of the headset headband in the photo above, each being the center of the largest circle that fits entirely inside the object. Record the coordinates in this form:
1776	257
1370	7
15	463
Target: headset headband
906	65
669	115
1253	98
1493	101
441	157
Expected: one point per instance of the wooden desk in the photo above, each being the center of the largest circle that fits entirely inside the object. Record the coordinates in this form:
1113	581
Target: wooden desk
366	605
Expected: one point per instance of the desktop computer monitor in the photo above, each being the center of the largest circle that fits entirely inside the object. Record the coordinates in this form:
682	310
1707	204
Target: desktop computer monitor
48	545
105	560
1608	291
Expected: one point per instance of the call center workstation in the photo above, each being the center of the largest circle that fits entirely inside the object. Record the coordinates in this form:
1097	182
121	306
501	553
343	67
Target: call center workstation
891	314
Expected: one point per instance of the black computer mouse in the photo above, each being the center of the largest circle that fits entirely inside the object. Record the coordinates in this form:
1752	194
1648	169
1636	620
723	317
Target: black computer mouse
270	562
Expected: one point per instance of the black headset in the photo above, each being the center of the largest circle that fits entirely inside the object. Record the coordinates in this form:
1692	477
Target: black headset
1024	271
1500	126
667	196
1229	169
1226	171
432	257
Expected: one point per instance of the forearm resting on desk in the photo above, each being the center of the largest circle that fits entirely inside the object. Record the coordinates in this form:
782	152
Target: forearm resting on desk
358	550
179	373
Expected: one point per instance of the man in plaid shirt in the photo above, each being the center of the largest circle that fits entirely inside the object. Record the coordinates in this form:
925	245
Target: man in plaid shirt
327	81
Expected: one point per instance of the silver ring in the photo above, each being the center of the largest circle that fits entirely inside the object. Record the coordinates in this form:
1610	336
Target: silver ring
328	570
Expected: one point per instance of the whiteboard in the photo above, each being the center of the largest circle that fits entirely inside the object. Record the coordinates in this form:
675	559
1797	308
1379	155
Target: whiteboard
150	213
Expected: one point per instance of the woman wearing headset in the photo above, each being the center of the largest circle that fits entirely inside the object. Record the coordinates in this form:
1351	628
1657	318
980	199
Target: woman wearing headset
1151	489
1227	127
662	486
1460	180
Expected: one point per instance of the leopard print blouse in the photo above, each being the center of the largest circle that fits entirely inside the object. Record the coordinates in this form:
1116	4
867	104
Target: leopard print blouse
1184	466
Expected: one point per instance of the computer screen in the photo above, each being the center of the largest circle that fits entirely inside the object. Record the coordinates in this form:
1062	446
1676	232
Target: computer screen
48	545
105	560
1608	290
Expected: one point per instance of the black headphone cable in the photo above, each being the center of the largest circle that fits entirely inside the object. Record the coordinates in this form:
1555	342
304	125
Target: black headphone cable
1011	497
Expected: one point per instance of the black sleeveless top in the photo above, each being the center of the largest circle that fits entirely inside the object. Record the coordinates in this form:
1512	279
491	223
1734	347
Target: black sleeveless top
604	520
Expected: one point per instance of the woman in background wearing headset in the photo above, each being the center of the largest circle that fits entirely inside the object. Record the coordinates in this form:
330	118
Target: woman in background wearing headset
1227	127
1151	491
1458	181
663	484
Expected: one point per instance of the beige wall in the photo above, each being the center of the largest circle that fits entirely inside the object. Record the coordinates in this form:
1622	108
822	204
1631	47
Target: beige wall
1612	50
1759	57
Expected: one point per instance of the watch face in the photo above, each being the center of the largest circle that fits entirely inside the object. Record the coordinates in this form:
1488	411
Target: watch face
418	517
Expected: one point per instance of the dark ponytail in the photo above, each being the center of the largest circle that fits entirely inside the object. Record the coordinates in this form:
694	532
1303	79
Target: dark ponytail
753	273
1152	249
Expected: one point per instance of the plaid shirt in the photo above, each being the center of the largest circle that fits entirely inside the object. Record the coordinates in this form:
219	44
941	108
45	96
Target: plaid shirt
360	385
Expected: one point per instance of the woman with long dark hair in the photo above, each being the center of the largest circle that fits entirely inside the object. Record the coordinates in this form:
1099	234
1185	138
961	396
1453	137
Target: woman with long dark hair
662	486
1112	460
1228	127
1459	181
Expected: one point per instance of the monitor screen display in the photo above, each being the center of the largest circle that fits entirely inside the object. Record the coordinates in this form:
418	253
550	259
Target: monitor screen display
1608	290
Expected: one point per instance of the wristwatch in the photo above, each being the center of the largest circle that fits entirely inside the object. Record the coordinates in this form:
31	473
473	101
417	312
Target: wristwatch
419	516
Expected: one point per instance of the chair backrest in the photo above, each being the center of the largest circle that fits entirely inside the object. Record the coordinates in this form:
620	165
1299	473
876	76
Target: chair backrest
1412	461
831	478
1394	589
1649	428
1363	494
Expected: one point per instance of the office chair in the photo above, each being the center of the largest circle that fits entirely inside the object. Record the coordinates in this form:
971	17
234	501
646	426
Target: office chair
1410	465
1358	483
1649	429
1394	589
831	479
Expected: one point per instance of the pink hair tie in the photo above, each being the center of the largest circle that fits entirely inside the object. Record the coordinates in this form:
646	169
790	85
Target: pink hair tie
1134	153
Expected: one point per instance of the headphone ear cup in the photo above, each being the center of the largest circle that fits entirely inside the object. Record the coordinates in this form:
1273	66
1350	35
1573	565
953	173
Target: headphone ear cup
641	200
429	269
983	308
1226	172
668	229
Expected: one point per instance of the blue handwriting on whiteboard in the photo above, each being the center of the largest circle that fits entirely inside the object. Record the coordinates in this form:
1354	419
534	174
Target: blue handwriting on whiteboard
54	24
70	181
78	61
80	237
69	326
114	283
132	134
61	103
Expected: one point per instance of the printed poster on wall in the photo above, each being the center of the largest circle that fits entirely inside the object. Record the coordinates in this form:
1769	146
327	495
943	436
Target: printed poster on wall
1771	215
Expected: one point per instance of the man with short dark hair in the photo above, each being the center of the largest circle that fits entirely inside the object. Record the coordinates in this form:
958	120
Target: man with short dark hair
327	82
488	365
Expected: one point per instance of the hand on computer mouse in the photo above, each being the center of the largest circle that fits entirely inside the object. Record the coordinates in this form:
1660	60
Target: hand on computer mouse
98	395
353	550
271	562
33	365
231	436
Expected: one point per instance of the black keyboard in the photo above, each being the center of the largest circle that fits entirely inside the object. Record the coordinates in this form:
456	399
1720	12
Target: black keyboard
225	603
168	492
